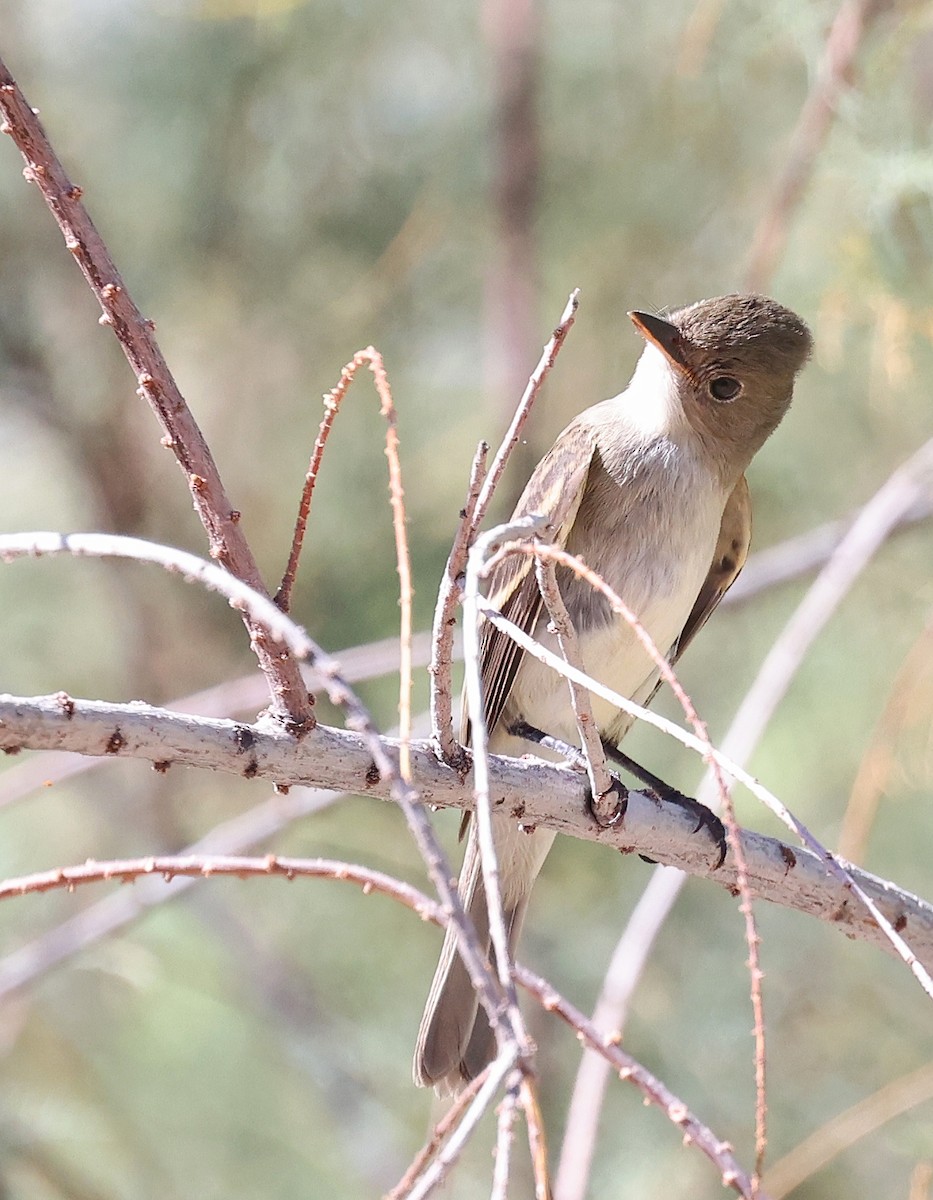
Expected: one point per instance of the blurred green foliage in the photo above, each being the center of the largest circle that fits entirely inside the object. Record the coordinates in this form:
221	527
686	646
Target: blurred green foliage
284	183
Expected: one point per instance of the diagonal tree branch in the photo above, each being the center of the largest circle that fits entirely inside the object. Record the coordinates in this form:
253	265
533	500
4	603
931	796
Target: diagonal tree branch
156	384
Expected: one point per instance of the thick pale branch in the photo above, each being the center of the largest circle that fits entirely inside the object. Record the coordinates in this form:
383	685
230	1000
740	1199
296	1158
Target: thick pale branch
532	791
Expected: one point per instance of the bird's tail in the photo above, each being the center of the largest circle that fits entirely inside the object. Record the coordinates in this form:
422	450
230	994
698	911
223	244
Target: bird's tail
455	1040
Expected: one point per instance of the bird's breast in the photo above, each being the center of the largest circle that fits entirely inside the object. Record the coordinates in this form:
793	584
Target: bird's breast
649	528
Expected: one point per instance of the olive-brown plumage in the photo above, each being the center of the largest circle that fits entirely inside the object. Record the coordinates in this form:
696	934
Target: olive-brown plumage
649	489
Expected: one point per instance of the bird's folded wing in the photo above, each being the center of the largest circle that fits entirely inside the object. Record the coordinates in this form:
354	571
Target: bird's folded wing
554	491
735	533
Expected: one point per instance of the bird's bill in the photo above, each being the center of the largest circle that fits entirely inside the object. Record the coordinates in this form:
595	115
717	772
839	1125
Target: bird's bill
667	337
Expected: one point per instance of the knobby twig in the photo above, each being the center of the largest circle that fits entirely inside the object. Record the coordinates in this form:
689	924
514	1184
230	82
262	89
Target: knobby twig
844	549
226	540
23	966
653	1090
332	399
538	376
537	1143
445	620
833	75
371	358
207	865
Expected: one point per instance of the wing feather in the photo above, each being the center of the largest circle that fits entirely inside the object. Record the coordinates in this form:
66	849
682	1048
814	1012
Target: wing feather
735	534
555	491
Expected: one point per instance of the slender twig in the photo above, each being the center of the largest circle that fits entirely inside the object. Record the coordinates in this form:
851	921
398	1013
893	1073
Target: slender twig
505	1138
451	1151
241	833
226	540
513	433
332	399
371	358
537	1143
833	76
438	1134
445	619
207	865
498	932
595	755
653	1090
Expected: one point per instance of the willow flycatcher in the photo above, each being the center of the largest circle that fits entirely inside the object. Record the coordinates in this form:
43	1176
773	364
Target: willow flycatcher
649	489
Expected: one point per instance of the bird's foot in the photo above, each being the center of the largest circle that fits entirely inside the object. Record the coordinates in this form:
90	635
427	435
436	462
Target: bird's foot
705	817
607	809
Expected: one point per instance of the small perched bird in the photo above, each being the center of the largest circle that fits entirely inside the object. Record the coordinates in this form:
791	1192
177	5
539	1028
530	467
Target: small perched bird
649	489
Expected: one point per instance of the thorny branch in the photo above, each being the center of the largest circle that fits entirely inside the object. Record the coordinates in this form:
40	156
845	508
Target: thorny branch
226	540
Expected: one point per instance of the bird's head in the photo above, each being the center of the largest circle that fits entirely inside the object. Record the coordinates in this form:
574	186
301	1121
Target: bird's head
726	367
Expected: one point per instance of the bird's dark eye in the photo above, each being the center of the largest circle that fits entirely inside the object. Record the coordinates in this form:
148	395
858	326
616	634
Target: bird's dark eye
724	387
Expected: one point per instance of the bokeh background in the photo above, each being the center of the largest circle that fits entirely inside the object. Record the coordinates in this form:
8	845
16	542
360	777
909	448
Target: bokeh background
283	183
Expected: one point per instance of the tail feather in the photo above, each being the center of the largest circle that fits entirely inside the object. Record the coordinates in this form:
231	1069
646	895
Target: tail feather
455	1041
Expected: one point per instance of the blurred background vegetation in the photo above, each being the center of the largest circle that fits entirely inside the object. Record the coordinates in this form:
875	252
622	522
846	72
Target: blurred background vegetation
282	183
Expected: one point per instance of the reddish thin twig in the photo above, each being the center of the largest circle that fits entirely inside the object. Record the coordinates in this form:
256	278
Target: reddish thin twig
513	433
371	358
600	779
283	594
402	555
226	540
833	75
537	1142
207	865
654	1091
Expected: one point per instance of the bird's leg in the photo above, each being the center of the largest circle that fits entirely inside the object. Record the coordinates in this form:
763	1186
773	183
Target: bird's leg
705	817
575	756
